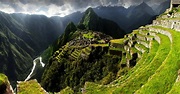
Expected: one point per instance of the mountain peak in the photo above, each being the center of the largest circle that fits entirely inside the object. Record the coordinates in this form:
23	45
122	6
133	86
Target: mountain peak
90	19
90	11
145	8
143	5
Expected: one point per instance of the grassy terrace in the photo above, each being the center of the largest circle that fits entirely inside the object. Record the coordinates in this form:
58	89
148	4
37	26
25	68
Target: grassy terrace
141	47
164	77
146	36
116	49
75	54
141	62
123	60
168	19
118	41
67	90
30	87
102	45
89	35
154	73
134	50
86	50
175	89
117	84
144	70
141	35
143	32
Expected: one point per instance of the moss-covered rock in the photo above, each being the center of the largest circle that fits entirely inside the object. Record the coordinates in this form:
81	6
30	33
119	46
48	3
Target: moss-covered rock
5	87
30	87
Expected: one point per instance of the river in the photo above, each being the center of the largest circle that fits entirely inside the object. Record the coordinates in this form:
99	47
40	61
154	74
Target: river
35	61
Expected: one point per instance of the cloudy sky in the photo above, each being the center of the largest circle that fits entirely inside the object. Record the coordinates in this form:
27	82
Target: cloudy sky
63	7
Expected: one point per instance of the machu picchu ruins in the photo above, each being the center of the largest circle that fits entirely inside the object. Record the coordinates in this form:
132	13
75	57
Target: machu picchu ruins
157	66
96	56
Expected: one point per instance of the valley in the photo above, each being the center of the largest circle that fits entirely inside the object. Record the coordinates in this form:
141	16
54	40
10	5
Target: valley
104	50
35	61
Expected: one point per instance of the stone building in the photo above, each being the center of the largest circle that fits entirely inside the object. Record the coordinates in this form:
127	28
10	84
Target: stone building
174	3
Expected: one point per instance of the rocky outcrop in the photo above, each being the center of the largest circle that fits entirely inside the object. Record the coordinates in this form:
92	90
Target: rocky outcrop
5	87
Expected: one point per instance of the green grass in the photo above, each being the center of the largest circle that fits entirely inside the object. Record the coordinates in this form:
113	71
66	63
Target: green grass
142	35
118	41
163	79
89	35
156	71
141	47
101	41
86	50
123	60
3	79
139	63
143	32
175	89
175	18
67	90
116	49
135	31
134	50
98	89
30	87
76	54
102	45
149	66
146	56
92	88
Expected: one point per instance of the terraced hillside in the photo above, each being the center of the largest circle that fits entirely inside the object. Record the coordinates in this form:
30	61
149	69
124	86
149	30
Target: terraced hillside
79	60
157	67
143	62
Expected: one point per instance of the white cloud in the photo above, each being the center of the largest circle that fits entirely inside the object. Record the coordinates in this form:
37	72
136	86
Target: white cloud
6	8
62	7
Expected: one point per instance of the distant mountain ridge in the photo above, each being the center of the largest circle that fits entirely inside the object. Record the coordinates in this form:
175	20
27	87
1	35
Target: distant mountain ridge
133	17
